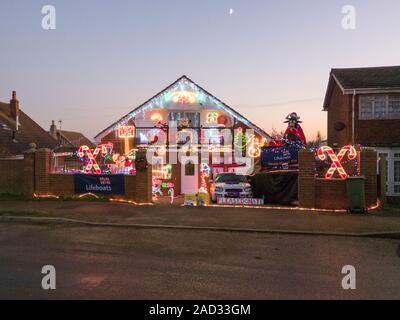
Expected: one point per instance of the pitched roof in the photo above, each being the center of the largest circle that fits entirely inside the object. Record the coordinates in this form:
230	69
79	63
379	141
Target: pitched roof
13	142
182	80
76	138
368	78
364	80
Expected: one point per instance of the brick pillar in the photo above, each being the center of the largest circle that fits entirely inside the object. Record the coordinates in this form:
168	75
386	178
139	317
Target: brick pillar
306	191
28	172
368	169
143	178
42	170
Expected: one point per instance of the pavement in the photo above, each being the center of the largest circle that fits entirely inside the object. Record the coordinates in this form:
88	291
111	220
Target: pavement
377	224
128	263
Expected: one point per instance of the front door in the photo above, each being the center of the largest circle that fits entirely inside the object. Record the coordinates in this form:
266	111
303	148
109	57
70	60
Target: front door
189	175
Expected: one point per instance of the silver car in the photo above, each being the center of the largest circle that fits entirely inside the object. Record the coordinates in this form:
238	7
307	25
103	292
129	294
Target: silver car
230	185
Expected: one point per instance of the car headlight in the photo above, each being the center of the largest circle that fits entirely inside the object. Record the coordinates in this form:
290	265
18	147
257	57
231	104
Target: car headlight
219	189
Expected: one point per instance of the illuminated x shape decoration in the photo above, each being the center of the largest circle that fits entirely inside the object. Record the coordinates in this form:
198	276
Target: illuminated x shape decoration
336	159
92	155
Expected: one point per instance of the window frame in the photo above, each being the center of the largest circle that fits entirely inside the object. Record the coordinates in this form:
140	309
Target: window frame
387	98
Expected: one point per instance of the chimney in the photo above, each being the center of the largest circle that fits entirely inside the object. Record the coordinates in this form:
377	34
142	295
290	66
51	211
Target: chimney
14	109
53	129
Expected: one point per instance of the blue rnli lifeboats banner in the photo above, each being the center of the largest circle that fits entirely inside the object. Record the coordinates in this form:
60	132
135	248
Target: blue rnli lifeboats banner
279	155
100	184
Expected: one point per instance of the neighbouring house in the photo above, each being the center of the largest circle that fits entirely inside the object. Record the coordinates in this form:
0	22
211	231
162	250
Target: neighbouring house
197	113
19	133
69	138
363	106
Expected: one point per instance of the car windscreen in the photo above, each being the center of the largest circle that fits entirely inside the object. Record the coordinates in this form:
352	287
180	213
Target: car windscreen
232	178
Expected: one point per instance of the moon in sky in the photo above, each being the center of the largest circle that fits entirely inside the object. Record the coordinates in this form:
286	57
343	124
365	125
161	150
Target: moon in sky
230	11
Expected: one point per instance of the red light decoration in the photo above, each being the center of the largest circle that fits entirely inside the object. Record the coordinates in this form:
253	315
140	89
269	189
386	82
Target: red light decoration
336	160
222	120
126	131
92	166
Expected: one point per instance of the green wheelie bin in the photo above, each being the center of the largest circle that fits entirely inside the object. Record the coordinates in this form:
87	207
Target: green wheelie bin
355	187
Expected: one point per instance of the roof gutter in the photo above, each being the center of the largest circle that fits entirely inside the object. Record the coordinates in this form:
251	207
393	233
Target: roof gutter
371	90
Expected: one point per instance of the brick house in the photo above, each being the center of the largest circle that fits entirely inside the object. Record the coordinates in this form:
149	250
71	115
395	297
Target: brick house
197	113
363	106
72	139
18	131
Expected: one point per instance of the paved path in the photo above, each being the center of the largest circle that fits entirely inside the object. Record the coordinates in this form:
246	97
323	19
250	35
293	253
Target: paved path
213	217
163	264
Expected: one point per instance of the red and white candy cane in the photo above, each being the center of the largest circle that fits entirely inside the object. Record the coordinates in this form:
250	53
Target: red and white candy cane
336	159
92	155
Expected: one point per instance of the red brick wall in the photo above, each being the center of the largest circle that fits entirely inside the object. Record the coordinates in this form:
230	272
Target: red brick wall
33	175
331	194
16	176
306	180
11	176
339	110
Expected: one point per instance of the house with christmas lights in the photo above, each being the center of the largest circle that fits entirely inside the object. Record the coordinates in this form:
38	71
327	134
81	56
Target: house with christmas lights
19	133
186	119
363	106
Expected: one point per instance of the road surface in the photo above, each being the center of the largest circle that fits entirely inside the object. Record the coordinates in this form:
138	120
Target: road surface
119	263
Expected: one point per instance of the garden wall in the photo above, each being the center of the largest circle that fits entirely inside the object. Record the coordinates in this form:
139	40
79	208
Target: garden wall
16	176
32	175
320	193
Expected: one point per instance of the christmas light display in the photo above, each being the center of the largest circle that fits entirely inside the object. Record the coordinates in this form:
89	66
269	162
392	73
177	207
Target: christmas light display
156	188
336	160
126	132
212	117
255	145
205	172
92	165
173	93
184	97
156	117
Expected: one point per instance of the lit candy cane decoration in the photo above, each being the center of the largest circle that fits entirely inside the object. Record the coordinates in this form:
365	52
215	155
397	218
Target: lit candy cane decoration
92	155
336	159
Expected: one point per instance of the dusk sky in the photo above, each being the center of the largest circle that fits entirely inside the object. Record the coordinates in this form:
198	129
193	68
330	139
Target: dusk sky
263	58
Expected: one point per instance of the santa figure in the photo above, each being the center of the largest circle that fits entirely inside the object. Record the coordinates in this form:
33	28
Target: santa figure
294	131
